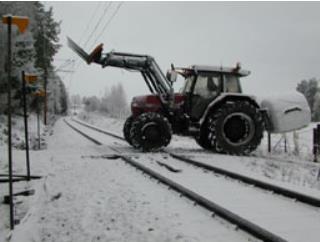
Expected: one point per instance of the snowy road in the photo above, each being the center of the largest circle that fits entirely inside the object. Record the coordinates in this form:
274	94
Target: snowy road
83	198
267	210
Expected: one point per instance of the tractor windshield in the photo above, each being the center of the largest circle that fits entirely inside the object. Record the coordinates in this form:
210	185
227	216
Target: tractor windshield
187	85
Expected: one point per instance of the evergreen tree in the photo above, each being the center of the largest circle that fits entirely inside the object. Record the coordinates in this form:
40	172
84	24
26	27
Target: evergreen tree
316	107
46	36
311	91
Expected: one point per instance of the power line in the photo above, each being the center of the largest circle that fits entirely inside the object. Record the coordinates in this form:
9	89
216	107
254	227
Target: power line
107	6
75	68
87	28
98	23
65	64
90	21
109	21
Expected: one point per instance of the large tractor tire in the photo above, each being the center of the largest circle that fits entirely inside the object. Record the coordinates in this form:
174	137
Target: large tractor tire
202	140
126	129
150	131
235	128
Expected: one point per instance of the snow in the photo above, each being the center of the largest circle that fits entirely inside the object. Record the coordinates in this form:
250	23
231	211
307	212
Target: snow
84	196
266	209
18	138
295	172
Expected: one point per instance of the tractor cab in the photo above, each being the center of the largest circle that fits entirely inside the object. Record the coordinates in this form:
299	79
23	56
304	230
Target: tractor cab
203	84
209	108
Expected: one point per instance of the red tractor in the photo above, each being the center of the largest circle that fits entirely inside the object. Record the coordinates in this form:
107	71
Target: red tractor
210	107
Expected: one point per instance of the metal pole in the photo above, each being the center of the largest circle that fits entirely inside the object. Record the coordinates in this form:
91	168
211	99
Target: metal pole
45	78
45	96
9	126
38	123
269	142
26	124
317	140
315	145
285	143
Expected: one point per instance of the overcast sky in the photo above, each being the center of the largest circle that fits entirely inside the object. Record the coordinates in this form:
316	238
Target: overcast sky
278	42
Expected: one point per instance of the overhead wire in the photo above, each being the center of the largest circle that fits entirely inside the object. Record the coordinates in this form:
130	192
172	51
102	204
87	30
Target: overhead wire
89	23
107	7
98	23
94	13
108	22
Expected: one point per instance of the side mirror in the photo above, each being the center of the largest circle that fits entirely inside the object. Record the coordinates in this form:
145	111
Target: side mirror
172	76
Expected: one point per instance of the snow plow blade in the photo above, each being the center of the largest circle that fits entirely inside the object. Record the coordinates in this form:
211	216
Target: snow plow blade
94	56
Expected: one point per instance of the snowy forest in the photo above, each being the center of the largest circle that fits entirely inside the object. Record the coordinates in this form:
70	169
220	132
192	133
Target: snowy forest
113	103
33	52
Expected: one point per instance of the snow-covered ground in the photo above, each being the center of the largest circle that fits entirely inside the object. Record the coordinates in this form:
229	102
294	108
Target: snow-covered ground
288	169
264	208
82	198
85	198
18	138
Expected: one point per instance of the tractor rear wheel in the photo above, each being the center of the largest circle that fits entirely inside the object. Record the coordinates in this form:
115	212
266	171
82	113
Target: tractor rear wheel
235	128
150	131
126	129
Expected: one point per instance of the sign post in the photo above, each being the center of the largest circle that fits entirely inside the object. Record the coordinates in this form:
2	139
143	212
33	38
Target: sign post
21	23
26	79
39	94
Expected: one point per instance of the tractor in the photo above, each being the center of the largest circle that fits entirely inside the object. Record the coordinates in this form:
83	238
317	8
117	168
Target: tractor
210	107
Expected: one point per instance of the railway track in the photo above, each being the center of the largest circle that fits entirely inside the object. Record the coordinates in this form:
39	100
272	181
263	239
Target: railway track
244	224
313	201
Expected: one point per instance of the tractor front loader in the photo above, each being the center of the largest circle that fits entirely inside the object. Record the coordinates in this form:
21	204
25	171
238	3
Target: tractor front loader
211	107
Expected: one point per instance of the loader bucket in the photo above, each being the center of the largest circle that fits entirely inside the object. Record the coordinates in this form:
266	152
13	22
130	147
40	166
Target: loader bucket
94	56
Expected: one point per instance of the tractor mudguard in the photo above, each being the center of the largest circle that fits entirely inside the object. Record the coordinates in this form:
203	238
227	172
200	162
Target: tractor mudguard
227	97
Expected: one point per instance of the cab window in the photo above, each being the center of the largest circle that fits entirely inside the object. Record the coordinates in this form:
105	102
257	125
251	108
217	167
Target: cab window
187	85
207	85
232	84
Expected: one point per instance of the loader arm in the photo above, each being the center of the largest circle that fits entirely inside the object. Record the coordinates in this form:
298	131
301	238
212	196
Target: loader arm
150	70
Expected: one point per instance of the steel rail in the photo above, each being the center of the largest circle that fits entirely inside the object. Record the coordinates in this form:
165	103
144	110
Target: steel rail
82	133
310	200
252	181
242	223
99	130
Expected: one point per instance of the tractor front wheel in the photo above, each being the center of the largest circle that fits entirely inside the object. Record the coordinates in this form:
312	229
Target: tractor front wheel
126	129
150	131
